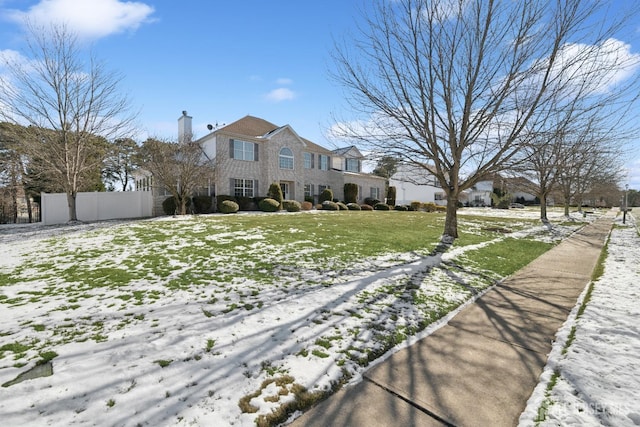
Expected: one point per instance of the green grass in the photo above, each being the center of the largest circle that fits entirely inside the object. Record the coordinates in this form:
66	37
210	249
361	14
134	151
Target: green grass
506	256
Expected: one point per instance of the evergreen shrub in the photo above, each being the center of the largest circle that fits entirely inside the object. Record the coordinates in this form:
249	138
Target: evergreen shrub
291	205
326	195
391	196
329	205
353	207
381	207
342	206
366	207
350	192
229	206
269	205
202	204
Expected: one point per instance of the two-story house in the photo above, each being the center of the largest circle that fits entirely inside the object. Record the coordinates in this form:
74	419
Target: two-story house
251	153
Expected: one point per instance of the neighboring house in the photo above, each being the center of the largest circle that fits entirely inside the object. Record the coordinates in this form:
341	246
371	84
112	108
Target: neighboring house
416	184
250	154
480	194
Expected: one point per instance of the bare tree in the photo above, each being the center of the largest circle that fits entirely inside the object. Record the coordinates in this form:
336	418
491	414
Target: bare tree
454	85
180	168
590	163
68	101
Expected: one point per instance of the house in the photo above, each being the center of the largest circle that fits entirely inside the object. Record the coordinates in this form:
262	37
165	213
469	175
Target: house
415	183
251	153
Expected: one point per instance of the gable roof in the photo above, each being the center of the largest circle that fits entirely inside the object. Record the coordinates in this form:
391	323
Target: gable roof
250	126
351	152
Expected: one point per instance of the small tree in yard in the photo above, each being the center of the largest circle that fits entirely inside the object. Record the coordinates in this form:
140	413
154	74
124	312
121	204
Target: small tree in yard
325	195
275	193
178	167
391	196
350	192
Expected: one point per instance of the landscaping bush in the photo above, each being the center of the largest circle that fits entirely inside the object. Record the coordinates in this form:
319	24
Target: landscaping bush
350	192
381	207
170	207
247	203
342	206
416	206
221	198
430	207
391	196
275	193
309	199
326	195
229	206
291	205
441	208
306	206
202	204
366	207
269	205
371	201
353	207
402	208
329	205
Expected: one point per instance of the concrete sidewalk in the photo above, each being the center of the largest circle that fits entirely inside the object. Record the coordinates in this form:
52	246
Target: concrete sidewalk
480	368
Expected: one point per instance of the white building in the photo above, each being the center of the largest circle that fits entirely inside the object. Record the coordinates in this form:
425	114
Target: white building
416	184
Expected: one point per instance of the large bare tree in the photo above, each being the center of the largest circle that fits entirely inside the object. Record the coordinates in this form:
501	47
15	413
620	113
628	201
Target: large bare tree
453	85
68	102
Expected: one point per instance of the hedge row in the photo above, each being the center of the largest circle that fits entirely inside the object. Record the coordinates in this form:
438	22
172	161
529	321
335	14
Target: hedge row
230	204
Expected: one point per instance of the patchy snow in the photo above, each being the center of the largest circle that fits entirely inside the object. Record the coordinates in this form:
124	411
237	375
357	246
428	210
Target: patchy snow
182	339
597	380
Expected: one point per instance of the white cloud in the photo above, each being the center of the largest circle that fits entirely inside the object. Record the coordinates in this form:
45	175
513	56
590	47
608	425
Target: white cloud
281	94
283	81
89	19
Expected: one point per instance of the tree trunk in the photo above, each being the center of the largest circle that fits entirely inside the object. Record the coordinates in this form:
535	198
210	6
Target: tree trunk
451	220
71	200
543	207
566	209
29	207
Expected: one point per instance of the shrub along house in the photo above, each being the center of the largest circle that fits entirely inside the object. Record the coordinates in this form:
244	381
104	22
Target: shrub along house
251	153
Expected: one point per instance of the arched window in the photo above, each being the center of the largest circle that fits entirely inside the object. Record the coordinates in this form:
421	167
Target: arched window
286	158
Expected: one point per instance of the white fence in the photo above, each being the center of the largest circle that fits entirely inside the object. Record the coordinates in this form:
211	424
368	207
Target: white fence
97	206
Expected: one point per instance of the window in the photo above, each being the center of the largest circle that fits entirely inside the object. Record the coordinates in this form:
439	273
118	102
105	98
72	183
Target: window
242	150
321	188
438	196
244	187
286	158
375	193
352	165
308	190
308	160
323	162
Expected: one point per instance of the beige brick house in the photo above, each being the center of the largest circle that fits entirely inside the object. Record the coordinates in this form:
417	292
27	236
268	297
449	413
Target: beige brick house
251	153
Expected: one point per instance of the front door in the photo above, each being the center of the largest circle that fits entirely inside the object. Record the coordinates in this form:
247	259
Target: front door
286	190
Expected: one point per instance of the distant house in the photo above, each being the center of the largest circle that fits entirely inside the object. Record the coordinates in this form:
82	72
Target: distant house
251	153
415	183
480	194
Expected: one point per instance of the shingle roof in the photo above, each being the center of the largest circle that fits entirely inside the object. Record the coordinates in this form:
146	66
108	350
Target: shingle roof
257	127
250	126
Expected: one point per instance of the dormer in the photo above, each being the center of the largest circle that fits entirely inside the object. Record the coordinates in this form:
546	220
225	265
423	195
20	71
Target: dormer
348	159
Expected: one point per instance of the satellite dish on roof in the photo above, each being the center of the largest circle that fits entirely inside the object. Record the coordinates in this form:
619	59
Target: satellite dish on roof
210	127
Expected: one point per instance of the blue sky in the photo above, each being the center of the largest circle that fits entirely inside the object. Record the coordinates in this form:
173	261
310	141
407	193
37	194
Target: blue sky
218	60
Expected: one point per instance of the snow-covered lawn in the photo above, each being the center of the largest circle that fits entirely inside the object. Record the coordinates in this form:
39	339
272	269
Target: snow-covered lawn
197	321
594	379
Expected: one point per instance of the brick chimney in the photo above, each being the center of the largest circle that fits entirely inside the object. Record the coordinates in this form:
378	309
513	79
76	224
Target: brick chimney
185	132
